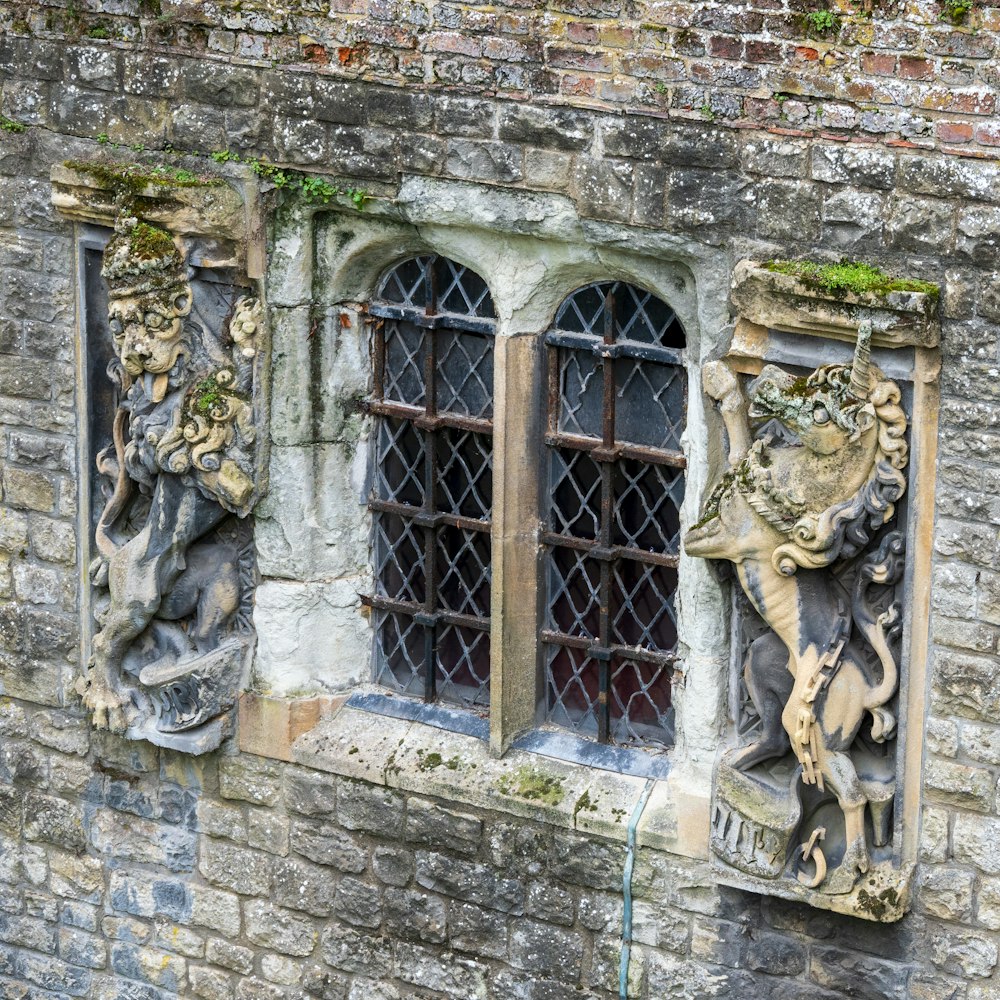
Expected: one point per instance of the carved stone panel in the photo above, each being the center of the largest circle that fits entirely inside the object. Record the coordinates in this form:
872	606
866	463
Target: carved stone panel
173	356
808	513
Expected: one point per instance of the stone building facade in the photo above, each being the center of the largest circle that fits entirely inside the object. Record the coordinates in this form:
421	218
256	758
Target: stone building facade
324	836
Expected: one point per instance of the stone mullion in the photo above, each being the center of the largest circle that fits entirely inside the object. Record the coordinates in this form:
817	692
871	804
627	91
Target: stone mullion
518	482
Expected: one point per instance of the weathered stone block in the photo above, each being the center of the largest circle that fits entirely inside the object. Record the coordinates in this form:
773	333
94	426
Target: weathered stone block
415	915
976	841
476	930
54	821
250	779
922	225
392	866
551	903
327	844
489	162
367	807
339	102
866	977
435	826
277	929
303	886
229	955
351	951
947	893
549	128
149	965
963	953
79	948
542	948
602	189
219	85
358	903
214	909
29	490
243	871
210	984
959	785
440	971
966	685
473	883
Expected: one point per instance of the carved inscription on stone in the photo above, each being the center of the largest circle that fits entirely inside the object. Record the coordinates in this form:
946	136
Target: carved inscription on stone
173	570
805	515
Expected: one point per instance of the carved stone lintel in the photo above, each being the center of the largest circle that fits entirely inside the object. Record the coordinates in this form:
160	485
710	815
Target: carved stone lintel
804	515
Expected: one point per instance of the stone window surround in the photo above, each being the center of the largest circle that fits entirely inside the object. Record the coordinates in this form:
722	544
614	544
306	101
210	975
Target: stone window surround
533	250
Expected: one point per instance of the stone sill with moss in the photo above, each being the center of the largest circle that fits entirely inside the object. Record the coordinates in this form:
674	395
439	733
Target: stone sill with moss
413	756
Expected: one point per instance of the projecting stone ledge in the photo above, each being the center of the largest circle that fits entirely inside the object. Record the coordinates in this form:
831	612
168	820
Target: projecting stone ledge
782	295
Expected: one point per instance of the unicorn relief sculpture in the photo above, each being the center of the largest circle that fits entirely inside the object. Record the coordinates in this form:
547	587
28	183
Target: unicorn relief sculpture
804	517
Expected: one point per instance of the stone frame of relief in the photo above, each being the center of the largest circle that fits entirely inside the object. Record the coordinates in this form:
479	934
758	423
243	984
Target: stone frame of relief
172	372
823	516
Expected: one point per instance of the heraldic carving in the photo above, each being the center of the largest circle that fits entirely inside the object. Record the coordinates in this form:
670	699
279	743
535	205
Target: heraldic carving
804	515
173	574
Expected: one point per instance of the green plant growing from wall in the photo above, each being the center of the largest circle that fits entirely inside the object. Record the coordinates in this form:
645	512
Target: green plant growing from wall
955	11
9	125
850	277
821	22
706	112
311	188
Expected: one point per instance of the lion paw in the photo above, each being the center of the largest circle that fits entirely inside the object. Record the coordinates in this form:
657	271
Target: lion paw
856	857
111	710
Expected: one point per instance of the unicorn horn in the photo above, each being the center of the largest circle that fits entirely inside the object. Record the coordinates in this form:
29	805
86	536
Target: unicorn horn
861	366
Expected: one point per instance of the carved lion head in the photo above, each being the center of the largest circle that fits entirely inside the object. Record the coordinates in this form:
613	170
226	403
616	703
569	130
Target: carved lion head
149	297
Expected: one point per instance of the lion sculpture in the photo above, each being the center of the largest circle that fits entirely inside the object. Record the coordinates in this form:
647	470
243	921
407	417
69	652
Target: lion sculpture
180	465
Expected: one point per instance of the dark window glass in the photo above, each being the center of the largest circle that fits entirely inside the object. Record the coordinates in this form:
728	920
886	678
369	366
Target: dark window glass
434	325
616	482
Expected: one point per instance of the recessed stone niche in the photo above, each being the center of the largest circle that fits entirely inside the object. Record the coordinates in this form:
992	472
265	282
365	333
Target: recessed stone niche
172	366
821	513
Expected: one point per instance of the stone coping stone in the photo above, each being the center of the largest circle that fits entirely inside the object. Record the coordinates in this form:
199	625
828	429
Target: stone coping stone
784	302
214	209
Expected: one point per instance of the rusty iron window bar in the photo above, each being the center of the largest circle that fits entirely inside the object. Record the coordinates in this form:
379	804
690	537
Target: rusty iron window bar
616	412
434	324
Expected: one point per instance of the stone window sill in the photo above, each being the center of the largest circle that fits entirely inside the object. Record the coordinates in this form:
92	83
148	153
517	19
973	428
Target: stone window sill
332	735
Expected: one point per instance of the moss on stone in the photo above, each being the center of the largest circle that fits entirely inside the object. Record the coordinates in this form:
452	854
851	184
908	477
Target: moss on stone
533	785
133	177
146	242
431	761
850	278
584	804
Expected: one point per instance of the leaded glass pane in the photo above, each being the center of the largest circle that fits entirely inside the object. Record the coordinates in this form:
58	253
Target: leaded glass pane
581	393
432	487
611	631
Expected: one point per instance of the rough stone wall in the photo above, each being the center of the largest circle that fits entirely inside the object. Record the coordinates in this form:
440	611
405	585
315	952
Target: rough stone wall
146	876
879	69
132	874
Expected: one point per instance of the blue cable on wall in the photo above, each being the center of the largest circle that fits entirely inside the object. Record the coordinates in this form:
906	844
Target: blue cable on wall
633	825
